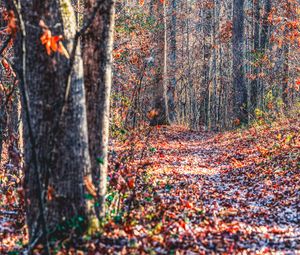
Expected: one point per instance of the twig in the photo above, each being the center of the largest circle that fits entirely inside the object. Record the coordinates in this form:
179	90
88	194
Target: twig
34	242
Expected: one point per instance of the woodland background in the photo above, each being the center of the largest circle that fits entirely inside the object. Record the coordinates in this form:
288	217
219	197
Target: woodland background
125	126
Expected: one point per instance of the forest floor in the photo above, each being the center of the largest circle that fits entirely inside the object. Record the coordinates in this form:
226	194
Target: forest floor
186	192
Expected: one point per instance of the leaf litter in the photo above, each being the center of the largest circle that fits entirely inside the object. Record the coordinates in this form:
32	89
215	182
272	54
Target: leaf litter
235	192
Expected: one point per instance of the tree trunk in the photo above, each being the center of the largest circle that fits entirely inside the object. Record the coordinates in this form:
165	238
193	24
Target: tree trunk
206	54
240	91
257	54
55	130
285	81
173	58
264	38
264	42
160	101
3	125
97	57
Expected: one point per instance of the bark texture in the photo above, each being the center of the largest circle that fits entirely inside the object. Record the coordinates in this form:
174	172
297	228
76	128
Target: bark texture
160	100
257	54
97	52
173	58
206	18
59	150
240	91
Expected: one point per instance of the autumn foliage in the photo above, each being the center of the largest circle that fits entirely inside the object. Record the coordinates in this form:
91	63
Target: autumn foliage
208	183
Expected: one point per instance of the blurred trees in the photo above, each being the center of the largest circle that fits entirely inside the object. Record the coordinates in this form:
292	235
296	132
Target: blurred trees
228	61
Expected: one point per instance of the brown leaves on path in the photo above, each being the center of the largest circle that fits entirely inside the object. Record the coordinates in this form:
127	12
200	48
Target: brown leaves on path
229	193
192	192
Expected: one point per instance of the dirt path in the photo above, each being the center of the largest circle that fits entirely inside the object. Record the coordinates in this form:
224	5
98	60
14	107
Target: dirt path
218	197
197	193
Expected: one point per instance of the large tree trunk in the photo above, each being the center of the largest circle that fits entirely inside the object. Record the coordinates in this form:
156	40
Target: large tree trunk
240	91
55	128
97	52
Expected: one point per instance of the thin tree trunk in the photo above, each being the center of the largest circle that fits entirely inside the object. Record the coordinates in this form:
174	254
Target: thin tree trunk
97	57
3	126
173	58
264	41
257	54
205	83
264	38
240	91
285	81
160	100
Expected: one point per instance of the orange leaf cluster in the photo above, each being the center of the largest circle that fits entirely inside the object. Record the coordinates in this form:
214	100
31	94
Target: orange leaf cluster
152	114
90	187
12	24
297	85
53	43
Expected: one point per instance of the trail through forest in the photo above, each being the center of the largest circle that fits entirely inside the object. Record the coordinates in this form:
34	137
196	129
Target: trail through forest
225	193
243	206
99	106
202	193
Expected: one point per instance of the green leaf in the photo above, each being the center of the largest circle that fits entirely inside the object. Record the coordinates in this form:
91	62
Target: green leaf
168	187
110	198
13	253
118	219
152	149
80	219
100	160
88	196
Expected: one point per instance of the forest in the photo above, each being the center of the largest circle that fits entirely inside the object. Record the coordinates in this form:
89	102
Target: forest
149	127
